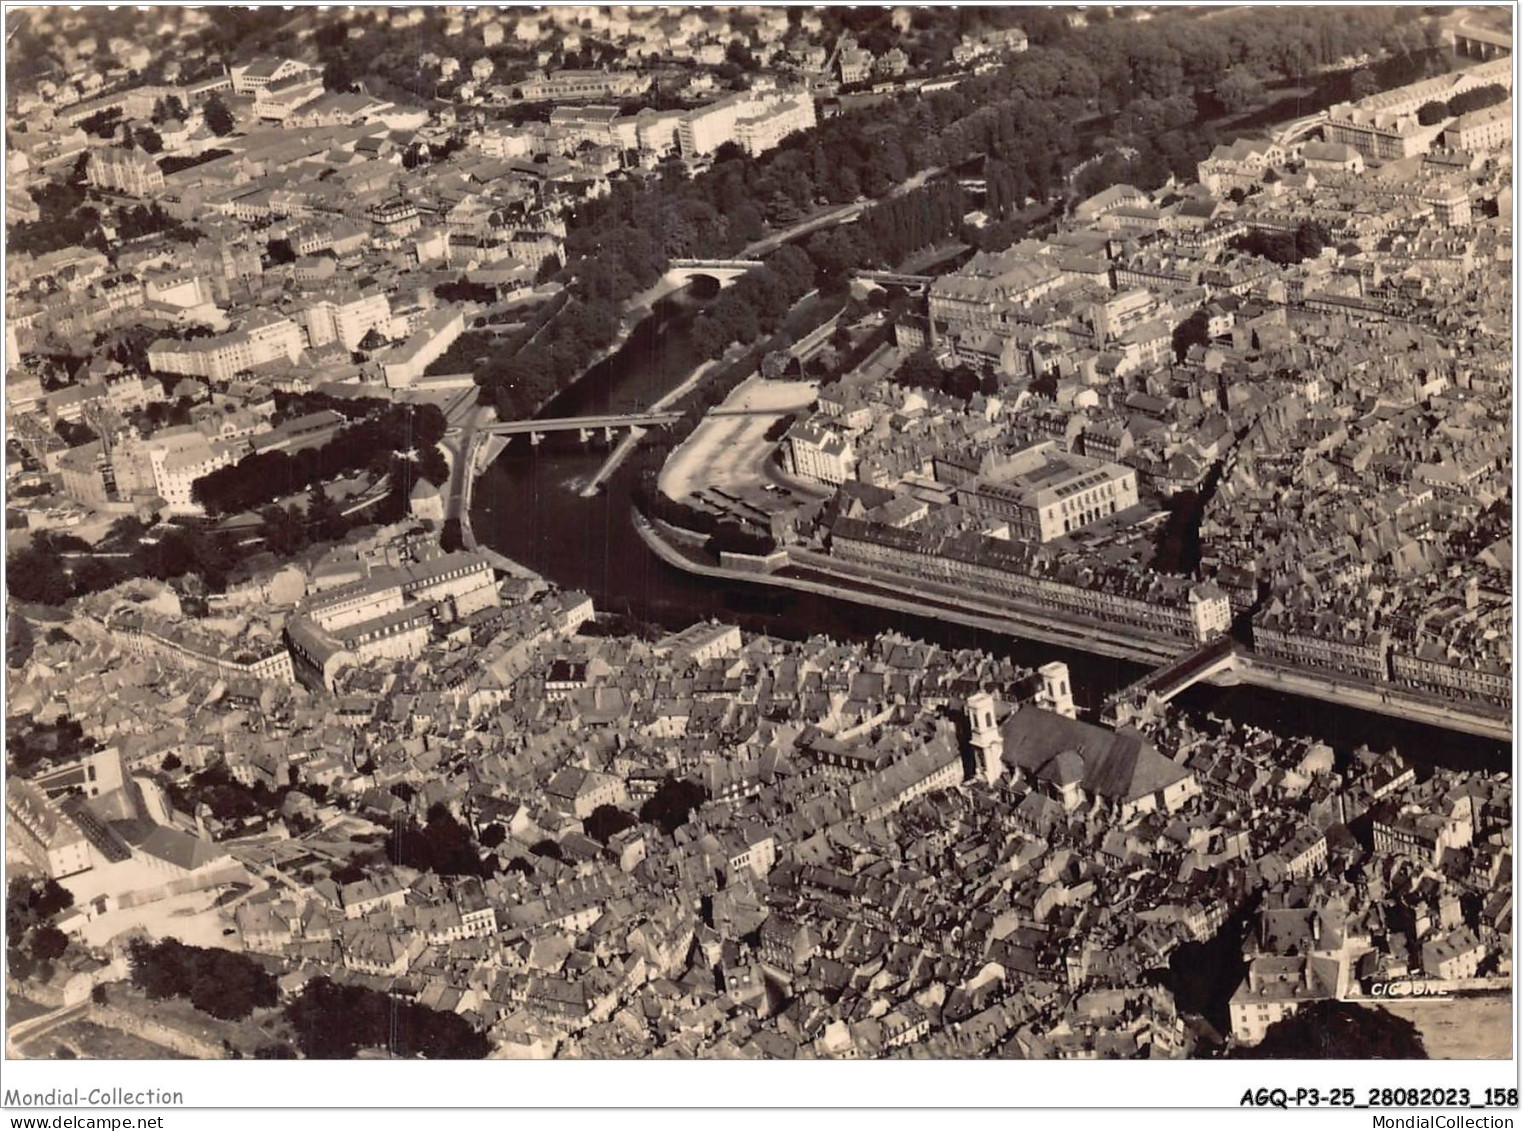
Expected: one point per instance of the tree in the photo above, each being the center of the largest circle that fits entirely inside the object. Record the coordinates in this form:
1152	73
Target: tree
549	268
1240	90
48	943
169	108
148	139
776	363
19	641
376	1020
1338	1030
443	846
672	802
338	73
218	982
1432	113
739	54
1362	84
1193	331
1478	98
103	123
608	821
283	530
324	521
493	835
28	903
219	119
37	575
1310	240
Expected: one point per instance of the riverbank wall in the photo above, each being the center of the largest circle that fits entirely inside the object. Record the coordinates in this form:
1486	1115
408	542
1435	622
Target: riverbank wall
913	603
1392	701
1045	629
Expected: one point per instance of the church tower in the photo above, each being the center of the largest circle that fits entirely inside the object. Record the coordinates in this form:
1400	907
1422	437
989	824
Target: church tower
1057	692
988	745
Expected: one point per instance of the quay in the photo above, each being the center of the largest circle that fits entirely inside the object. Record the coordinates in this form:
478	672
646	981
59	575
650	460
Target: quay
1222	663
914	602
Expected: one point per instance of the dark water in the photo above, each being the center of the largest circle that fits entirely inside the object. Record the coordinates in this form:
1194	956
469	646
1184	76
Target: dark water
526	507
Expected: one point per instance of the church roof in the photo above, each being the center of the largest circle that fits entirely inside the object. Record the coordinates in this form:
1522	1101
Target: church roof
1117	765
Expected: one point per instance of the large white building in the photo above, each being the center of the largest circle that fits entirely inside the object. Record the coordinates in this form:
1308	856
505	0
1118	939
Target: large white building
1046	493
255	76
756	122
346	318
388	615
434	333
43	834
1481	130
262	339
597	125
987	289
819	452
656	132
129	171
180	457
1378	135
766	128
575	85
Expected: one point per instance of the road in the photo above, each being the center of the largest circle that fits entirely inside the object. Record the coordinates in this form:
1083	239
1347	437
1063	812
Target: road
842	215
1290	131
41	1026
1469	28
912	600
461	447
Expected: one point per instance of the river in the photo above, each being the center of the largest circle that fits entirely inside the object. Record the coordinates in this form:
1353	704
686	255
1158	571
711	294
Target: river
527	507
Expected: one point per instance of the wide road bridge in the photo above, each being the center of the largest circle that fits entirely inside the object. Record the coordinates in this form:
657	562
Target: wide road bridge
1172	678
586	425
608	423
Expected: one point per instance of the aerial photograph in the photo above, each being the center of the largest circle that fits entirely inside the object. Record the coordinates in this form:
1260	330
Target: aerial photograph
758	532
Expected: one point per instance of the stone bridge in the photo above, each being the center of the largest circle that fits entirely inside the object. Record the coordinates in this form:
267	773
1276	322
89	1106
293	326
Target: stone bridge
894	279
1474	41
722	271
1164	682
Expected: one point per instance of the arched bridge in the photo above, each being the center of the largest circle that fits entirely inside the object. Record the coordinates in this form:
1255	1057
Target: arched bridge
1294	131
893	279
721	271
1177	675
1476	41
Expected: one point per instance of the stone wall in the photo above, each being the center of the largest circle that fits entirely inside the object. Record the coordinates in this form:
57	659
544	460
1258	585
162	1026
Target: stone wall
149	1029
